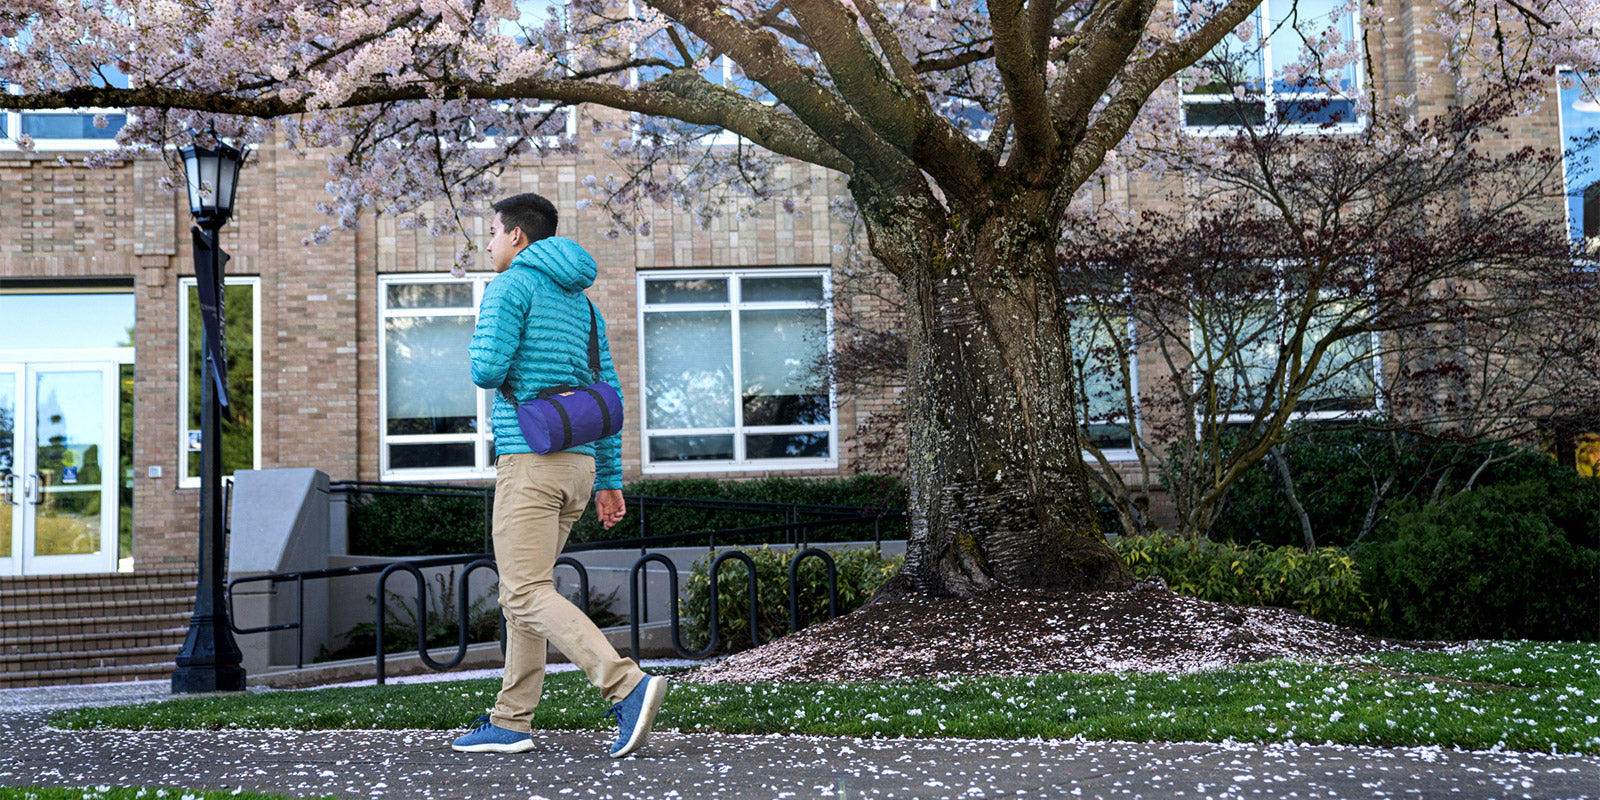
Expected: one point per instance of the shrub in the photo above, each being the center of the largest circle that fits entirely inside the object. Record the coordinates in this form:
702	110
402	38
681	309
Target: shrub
1513	560
1325	584
860	573
1337	471
403	525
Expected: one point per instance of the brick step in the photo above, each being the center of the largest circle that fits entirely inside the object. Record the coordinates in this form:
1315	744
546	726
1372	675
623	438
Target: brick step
11	587
98	580
46	603
74	676
38	658
94	609
153	619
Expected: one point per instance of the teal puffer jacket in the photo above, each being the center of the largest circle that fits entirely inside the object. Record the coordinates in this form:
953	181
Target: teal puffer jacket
533	328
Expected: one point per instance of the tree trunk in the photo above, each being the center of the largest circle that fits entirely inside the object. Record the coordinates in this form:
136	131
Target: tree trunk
999	491
1293	499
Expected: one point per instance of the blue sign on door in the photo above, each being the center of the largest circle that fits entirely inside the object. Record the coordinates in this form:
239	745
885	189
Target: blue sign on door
69	474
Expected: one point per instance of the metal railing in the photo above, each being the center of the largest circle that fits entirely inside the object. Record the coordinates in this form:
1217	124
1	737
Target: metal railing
637	590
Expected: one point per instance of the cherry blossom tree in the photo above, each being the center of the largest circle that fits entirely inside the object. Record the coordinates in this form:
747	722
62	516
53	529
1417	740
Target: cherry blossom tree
966	131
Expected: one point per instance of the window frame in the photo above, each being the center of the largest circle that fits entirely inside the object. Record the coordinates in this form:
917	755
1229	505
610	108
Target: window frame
740	463
184	284
1271	98
482	440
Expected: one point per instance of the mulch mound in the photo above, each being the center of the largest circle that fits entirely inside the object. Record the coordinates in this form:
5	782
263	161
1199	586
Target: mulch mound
1025	632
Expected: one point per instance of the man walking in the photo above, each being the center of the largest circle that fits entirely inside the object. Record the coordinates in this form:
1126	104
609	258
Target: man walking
533	333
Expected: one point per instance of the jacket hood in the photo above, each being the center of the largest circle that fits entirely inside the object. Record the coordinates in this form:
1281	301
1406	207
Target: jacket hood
564	261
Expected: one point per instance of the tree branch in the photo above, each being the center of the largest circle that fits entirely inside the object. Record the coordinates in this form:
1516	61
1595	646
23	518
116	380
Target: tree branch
1021	71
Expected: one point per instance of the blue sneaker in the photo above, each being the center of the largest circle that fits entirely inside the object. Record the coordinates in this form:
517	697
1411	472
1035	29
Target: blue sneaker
636	713
487	737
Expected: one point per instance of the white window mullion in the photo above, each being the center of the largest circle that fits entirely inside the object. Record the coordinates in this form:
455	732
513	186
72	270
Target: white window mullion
735	296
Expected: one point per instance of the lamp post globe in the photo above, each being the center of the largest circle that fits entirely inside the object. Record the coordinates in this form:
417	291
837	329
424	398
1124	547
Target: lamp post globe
210	658
213	181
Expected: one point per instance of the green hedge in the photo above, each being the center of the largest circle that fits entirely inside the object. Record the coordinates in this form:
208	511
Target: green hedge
383	524
877	491
1325	584
406	525
859	571
1510	561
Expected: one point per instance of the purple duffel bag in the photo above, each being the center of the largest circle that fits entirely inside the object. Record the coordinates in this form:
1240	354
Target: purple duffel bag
563	417
566	416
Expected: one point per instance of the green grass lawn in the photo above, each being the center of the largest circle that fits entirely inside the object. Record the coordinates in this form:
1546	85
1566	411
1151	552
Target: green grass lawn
123	793
1511	695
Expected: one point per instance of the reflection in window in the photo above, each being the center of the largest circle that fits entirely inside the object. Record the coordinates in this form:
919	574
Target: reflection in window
1580	127
734	372
1101	351
240	440
434	421
425	392
1239	342
34	320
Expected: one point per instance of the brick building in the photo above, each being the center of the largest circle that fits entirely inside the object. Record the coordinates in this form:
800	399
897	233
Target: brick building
349	357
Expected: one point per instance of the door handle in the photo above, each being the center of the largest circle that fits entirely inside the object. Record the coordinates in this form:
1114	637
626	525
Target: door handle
8	485
33	489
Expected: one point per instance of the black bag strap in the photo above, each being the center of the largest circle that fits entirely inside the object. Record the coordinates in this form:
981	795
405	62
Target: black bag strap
594	346
594	358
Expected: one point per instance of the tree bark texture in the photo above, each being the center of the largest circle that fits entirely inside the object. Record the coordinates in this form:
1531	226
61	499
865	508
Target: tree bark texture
999	492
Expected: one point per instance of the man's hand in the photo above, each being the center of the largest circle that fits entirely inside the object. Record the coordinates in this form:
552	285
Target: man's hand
610	505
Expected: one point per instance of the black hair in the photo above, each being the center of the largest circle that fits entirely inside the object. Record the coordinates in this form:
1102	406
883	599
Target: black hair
535	215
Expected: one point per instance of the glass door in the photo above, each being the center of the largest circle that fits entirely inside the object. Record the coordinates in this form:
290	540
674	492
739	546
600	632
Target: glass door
66	471
10	478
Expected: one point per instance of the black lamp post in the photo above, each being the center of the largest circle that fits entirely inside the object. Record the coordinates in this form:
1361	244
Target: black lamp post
209	660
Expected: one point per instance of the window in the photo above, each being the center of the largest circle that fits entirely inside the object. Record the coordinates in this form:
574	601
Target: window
69	129
1102	343
435	422
1580	129
734	374
1264	73
1238	342
241	437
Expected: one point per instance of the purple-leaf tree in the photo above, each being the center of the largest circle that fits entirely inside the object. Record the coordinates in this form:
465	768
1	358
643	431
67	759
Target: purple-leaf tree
966	131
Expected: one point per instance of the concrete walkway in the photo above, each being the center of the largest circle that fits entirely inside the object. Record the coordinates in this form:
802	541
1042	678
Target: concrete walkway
420	764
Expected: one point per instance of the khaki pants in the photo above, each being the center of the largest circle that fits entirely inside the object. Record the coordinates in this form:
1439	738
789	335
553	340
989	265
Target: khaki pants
537	498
